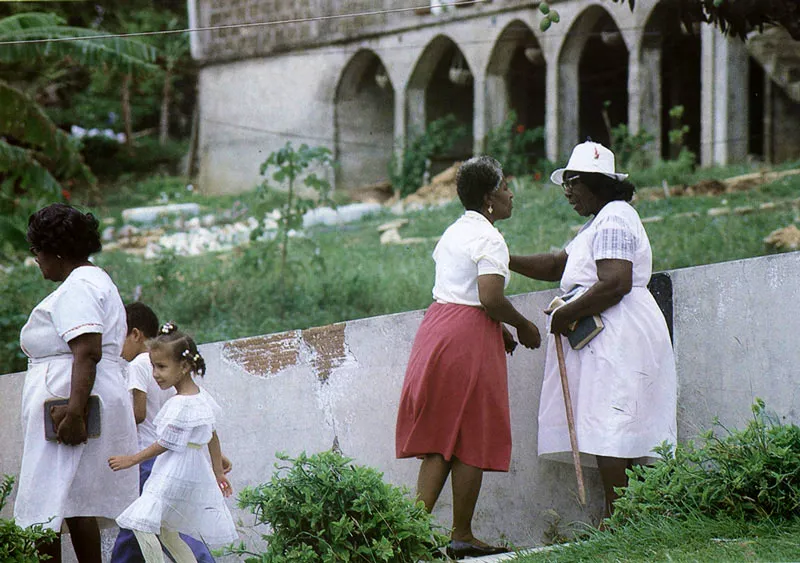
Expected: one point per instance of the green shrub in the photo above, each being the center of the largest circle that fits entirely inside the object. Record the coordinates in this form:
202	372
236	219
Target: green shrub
18	545
322	508
749	474
519	150
109	159
441	135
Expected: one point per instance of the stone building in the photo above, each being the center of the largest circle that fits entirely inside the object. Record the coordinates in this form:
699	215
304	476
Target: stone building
364	84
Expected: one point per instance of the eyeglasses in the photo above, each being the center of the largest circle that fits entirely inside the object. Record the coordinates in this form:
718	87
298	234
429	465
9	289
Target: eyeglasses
571	182
34	250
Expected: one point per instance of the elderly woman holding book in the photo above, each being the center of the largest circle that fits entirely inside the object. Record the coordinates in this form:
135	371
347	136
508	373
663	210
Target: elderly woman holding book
622	383
76	409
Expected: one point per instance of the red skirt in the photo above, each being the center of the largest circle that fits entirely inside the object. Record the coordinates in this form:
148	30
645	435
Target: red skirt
455	393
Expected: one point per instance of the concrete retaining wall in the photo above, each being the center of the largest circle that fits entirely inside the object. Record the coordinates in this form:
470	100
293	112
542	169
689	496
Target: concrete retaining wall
735	327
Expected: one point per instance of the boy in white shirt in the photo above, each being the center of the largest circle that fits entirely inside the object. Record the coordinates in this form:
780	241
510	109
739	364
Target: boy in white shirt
148	399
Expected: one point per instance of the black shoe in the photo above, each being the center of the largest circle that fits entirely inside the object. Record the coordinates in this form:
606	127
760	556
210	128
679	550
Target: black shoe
460	549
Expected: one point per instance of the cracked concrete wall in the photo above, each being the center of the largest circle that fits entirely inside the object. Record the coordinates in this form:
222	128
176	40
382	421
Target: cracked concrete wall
735	339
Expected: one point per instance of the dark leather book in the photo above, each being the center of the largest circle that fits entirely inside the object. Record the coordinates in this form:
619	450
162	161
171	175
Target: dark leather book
582	330
92	418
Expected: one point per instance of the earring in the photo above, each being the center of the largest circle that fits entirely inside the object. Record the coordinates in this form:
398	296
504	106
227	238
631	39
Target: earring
59	256
491	209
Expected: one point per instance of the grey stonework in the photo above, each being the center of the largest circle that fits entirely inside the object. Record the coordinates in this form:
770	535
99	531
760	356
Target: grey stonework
363	86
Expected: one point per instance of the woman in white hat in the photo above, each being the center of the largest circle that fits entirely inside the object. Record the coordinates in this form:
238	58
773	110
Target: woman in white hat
622	383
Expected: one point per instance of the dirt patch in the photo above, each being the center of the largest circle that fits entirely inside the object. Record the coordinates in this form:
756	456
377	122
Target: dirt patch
264	356
741	183
329	348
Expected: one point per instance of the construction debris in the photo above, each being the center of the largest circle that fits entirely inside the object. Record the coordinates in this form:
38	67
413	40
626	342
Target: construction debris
442	189
787	238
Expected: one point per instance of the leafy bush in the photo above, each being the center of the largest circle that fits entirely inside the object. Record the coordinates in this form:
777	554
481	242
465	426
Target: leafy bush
749	474
18	545
109	159
441	135
629	148
322	508
519	150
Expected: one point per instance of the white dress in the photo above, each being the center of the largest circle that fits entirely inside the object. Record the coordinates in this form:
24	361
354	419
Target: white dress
182	493
58	481
623	383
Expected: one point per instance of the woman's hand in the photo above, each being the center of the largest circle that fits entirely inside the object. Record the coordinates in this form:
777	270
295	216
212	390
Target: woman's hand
560	322
226	464
119	462
529	335
508	340
224	485
70	426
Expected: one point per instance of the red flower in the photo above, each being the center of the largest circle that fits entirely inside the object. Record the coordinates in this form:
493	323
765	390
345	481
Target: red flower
65	193
520	128
537	175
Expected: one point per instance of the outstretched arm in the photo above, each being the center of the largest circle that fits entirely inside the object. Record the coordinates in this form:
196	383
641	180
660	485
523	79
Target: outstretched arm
491	289
215	451
118	462
547	267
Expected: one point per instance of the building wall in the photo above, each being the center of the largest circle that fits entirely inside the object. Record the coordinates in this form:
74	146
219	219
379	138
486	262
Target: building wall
301	390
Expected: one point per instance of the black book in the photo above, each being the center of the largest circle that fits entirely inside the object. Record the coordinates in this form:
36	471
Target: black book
582	330
92	418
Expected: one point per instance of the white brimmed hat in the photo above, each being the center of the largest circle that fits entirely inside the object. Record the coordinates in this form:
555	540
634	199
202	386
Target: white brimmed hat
589	157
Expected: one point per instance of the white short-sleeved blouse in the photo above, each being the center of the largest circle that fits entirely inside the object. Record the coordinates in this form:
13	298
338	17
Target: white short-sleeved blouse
469	248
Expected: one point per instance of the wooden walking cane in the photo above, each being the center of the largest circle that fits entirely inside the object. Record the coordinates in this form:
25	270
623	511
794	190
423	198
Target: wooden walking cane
573	437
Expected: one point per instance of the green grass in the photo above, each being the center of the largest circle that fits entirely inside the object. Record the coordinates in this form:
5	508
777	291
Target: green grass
345	273
700	540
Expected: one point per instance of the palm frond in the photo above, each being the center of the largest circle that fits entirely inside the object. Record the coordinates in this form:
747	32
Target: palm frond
21	163
82	45
24	123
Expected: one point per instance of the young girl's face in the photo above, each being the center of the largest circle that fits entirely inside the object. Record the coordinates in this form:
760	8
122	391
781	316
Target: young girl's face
167	371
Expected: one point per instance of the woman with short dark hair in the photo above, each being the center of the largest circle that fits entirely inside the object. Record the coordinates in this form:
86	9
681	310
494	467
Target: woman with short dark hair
454	405
73	340
622	383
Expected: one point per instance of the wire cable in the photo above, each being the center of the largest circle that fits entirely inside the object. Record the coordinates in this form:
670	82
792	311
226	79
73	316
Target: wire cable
236	25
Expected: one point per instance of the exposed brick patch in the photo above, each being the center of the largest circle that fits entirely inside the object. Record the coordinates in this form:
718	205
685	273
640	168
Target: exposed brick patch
327	343
264	356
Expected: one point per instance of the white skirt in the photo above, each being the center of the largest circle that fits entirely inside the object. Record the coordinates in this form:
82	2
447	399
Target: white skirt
58	481
182	495
622	384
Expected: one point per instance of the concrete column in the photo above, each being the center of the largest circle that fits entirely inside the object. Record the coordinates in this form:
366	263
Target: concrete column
551	111
195	41
644	97
414	111
724	93
496	101
479	129
567	116
399	123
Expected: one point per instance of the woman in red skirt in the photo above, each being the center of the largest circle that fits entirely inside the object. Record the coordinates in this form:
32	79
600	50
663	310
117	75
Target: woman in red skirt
454	405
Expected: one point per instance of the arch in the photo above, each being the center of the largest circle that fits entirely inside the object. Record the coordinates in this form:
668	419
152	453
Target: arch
516	79
363	121
670	60
440	85
593	70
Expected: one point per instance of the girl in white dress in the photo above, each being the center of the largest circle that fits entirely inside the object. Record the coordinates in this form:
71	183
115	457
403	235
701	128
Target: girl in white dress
184	493
623	383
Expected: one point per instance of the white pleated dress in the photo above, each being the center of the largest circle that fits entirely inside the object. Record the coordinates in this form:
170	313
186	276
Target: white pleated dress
182	493
58	481
623	383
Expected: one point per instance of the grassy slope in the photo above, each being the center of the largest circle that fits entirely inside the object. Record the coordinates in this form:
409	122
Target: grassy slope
699	540
345	273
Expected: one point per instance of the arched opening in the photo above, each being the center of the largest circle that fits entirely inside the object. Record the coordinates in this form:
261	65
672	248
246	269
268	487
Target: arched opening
671	55
364	122
602	81
515	81
442	86
592	70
